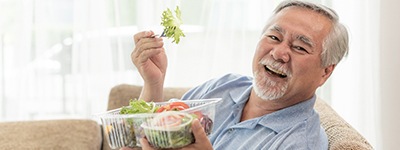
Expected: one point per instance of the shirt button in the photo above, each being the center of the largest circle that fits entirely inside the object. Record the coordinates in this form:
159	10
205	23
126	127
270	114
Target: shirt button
231	130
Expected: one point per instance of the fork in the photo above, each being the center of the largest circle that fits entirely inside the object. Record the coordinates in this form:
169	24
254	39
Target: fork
162	34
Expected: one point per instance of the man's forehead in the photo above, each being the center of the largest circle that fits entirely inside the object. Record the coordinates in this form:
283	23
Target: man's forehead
303	22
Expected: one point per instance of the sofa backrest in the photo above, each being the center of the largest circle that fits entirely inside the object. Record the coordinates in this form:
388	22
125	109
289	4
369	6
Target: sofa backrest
121	94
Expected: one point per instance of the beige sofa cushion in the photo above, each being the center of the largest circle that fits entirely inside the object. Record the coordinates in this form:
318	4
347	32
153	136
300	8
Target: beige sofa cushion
51	134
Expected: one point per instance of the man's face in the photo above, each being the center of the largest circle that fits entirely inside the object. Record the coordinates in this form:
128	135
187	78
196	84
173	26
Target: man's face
287	61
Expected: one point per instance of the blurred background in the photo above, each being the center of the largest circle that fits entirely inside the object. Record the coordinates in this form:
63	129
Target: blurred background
60	58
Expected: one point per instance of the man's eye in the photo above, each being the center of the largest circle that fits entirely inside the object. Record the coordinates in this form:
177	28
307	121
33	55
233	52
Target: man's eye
299	48
273	38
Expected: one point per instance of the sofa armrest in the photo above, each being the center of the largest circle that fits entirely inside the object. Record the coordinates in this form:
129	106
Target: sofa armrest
341	135
51	134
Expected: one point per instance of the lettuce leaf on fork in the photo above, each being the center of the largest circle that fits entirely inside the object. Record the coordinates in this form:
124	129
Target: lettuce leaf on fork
172	24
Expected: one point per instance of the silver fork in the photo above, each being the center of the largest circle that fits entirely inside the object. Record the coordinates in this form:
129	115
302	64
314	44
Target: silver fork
162	34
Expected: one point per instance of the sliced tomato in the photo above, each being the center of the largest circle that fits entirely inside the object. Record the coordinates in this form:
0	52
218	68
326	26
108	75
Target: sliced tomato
168	120
180	104
173	106
162	108
176	108
171	121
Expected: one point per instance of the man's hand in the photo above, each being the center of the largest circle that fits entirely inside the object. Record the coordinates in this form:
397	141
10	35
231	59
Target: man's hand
149	56
201	140
151	61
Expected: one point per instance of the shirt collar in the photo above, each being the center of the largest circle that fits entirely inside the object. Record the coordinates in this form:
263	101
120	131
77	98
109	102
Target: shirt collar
240	95
286	117
281	119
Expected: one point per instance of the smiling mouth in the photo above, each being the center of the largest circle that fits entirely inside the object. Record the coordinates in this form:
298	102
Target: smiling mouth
275	72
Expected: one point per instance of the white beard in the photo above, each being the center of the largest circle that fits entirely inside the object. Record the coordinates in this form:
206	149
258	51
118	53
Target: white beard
266	88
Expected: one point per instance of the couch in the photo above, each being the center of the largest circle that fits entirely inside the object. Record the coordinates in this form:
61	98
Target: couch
87	134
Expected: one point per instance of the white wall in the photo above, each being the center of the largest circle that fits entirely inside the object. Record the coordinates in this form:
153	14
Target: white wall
390	73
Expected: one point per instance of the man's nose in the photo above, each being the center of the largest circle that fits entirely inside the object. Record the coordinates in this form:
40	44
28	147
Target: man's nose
281	53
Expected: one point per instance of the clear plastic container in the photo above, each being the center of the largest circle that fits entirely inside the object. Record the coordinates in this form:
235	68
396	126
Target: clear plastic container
125	130
170	129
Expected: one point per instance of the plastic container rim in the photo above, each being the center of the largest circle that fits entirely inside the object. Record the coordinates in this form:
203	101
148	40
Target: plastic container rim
108	114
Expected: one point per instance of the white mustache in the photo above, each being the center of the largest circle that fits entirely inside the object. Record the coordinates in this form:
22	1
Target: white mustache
276	66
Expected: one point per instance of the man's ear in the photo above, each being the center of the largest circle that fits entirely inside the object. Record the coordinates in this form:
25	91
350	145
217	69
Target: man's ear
327	73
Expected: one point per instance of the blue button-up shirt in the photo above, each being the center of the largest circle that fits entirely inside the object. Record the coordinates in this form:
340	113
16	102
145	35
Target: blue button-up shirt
295	127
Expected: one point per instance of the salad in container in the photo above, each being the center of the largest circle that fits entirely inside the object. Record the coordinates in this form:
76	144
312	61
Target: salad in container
170	129
165	124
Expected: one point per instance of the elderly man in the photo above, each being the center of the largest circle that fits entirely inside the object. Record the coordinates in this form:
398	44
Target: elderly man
299	48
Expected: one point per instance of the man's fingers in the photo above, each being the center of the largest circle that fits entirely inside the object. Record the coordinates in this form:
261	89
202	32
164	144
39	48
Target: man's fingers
145	144
198	131
148	54
142	34
148	43
147	48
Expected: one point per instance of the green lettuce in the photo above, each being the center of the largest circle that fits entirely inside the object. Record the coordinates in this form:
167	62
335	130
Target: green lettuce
172	24
138	106
133	124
